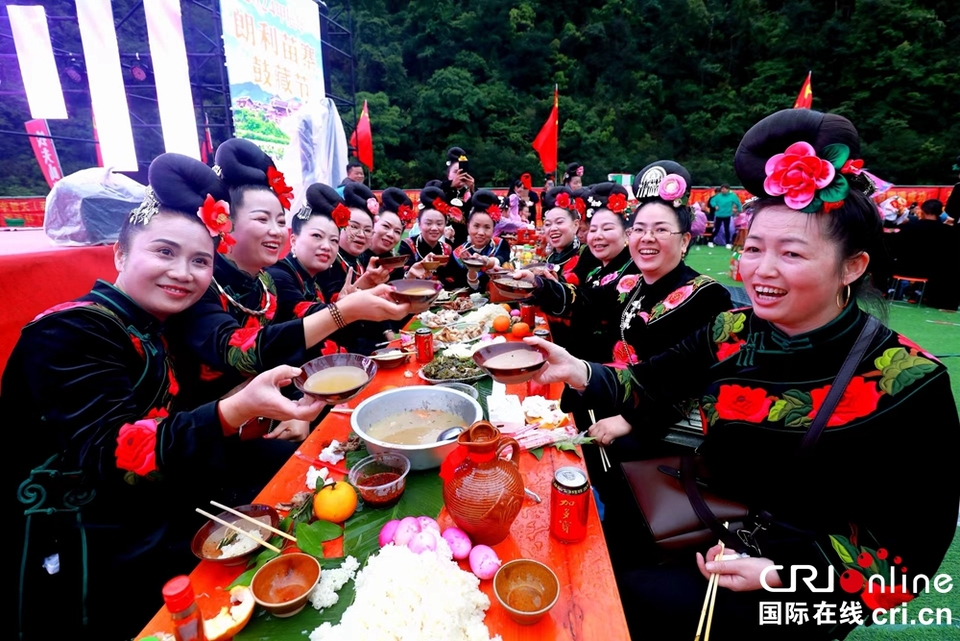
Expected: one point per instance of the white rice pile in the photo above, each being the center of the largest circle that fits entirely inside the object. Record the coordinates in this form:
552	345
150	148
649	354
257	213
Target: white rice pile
404	596
242	544
331	580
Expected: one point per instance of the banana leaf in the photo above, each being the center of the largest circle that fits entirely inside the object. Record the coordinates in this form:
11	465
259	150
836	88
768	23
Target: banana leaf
265	627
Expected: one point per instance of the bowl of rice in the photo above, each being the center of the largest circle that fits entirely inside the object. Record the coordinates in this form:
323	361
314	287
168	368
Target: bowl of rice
219	544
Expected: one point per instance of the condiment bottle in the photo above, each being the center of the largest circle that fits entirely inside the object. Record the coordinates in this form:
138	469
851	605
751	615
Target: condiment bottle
182	603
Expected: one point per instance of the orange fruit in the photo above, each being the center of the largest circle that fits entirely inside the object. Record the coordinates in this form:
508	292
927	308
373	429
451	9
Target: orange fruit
521	329
506	306
335	503
501	324
230	620
507	266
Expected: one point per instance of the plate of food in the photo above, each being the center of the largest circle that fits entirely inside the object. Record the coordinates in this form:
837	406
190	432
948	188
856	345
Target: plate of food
450	369
457	333
459	304
440	319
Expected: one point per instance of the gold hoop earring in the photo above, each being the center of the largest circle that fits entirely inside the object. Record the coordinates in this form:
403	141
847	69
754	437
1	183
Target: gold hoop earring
846	301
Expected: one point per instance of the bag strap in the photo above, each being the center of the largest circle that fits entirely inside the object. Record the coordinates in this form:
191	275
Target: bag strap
688	476
839	385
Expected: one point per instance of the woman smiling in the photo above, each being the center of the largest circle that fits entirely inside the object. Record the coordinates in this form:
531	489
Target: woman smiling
763	376
485	213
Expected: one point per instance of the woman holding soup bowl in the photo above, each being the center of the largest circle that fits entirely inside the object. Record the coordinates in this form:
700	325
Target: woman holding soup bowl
107	477
432	217
763	373
396	213
481	245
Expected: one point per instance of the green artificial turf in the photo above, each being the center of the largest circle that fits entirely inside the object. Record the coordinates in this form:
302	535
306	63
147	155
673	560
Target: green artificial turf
938	332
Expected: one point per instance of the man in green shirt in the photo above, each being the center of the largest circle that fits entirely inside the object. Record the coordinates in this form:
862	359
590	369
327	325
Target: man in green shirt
725	205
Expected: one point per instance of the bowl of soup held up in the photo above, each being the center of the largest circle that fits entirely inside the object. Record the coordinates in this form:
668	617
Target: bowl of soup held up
408	421
415	291
509	363
335	378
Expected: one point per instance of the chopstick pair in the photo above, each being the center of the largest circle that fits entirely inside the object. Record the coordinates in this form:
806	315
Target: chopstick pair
604	459
711	598
245	517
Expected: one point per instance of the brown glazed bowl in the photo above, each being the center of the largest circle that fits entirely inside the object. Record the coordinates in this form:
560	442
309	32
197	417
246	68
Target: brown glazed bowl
284	583
509	363
526	589
512	288
391	262
415	291
477	262
386	360
335	360
204	543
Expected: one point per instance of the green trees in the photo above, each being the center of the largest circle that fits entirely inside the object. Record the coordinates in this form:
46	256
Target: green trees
646	79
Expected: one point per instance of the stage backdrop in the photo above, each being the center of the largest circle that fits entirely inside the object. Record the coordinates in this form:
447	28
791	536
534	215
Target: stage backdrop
272	50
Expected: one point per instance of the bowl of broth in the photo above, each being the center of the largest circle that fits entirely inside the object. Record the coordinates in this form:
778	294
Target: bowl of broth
219	544
474	262
415	291
283	584
509	363
526	589
335	378
513	288
408	420
391	262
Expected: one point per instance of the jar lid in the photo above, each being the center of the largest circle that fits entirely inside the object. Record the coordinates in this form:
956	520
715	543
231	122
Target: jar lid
178	593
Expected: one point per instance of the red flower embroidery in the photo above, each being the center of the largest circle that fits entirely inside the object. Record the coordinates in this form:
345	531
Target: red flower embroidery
677	296
61	307
252	322
494	212
854	167
207	373
889	596
563	201
215	216
860	398
245	338
340	215
136	447
617	203
726	350
137	345
279	186
737	403
406	214
329	347
300	309
271	307
906	342
796	174
627	283
624	355
226	242
609	278
174	387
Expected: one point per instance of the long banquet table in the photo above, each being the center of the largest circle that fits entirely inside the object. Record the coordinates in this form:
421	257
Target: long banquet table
589	605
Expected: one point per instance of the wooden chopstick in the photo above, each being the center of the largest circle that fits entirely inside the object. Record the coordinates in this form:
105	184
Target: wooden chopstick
231	526
710	598
250	519
604	459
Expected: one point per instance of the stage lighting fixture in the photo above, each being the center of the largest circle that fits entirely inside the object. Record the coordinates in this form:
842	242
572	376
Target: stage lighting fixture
139	70
73	71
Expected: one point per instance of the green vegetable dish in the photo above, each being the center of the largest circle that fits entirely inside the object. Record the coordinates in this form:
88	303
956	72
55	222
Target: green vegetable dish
446	368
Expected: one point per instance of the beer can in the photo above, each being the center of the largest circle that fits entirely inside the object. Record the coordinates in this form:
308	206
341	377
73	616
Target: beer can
528	314
542	333
424	342
569	504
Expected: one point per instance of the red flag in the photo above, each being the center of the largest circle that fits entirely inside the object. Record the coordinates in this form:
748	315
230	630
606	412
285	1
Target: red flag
206	147
362	139
44	150
546	142
805	99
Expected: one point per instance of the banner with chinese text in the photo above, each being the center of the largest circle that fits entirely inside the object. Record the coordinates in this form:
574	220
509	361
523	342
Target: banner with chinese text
272	48
44	150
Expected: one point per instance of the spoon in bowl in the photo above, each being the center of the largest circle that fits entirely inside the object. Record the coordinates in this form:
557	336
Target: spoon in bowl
450	433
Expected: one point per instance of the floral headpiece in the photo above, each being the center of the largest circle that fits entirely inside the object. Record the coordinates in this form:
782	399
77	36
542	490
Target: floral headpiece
147	209
673	188
373	206
216	217
593	204
278	184
808	182
406	214
340	215
494	212
453	213
573	205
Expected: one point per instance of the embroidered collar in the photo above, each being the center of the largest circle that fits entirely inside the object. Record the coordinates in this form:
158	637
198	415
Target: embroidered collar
565	254
246	293
436	249
618	265
303	276
847	321
126	309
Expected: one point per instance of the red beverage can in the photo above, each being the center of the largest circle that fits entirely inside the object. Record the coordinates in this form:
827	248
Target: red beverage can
569	504
543	333
528	314
424	341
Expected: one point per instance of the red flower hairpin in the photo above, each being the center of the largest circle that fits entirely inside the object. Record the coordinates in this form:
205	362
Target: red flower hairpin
340	215
441	206
617	203
494	212
455	214
580	206
809	182
406	214
216	218
563	201
279	186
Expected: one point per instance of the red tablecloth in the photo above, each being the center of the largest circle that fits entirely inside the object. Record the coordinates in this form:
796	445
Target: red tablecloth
38	275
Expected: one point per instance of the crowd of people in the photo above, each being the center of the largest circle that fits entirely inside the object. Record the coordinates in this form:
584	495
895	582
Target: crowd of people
173	381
